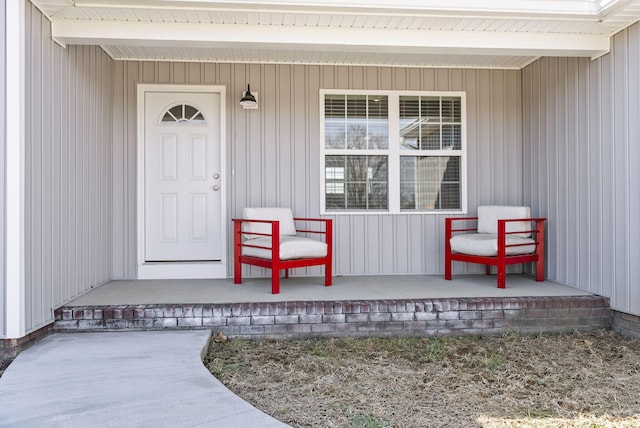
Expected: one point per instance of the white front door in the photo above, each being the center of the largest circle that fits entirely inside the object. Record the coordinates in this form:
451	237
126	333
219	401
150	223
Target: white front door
182	177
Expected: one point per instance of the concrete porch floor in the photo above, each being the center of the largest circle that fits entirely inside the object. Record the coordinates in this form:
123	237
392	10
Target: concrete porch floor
346	288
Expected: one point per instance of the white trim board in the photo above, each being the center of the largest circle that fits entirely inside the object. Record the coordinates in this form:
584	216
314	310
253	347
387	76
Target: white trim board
15	310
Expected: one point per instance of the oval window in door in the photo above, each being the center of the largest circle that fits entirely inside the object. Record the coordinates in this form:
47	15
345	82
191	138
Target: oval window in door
183	114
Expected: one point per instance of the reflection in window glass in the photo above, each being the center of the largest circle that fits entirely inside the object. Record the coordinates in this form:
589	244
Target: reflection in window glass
452	137
430	123
430	183
357	135
356	182
335	173
335	188
356	122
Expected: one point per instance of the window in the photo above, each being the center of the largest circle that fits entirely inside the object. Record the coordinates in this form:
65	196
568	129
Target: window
430	126
183	114
393	151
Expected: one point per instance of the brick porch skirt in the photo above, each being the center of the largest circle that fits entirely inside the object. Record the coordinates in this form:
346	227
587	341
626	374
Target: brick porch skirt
291	320
10	348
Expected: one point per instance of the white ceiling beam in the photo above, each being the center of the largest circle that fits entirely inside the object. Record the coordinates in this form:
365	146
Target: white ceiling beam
331	39
580	8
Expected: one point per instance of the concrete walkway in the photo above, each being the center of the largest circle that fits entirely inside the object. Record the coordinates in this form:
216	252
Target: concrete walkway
132	379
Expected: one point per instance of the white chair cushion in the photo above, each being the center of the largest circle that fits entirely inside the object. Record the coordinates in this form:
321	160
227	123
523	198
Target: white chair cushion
486	244
291	247
488	216
284	215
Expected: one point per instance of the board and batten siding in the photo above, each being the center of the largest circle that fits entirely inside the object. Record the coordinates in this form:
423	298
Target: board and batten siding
68	230
582	167
273	153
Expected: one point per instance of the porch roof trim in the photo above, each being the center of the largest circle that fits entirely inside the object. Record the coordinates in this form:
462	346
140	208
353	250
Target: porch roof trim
426	33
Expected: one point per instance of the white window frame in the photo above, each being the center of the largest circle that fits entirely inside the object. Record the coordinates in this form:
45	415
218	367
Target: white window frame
394	151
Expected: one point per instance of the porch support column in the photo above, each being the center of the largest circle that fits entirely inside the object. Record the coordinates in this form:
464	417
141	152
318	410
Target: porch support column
15	169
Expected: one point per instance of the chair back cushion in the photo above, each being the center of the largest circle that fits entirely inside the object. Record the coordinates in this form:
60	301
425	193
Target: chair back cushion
488	216
284	215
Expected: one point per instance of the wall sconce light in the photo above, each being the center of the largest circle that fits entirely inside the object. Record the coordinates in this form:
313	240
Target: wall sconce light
249	100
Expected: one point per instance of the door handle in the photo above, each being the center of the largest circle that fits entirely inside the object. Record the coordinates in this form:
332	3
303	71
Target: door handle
216	187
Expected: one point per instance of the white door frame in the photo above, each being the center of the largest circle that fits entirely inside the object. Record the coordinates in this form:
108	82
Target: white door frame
178	270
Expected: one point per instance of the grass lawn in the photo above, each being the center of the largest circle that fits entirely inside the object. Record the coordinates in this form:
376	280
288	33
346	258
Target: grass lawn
571	380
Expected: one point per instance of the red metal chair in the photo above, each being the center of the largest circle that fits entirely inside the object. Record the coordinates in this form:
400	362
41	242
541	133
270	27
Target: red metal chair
503	236
267	237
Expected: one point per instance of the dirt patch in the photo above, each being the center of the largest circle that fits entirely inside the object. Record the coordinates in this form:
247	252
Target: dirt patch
576	380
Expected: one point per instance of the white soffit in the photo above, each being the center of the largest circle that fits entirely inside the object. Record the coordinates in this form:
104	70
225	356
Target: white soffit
422	33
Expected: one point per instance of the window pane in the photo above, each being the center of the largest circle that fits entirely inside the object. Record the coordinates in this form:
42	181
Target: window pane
168	117
357	134
356	122
410	123
189	112
430	137
378	115
357	106
429	182
430	108
426	123
452	170
378	107
334	182
409	107
176	112
378	134
356	198
183	114
334	133
451	109
198	118
356	182
450	196
377	196
334	106
452	137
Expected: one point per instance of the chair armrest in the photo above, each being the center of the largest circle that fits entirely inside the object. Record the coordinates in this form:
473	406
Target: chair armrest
311	219
327	221
273	223
538	233
251	220
328	229
538	220
449	230
238	233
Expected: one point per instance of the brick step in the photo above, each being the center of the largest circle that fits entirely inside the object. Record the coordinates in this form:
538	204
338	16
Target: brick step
415	317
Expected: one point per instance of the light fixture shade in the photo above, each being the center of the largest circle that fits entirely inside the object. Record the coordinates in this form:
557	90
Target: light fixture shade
248	100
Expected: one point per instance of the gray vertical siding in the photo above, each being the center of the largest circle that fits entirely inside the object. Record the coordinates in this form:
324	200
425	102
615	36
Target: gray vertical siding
3	145
275	151
581	145
68	232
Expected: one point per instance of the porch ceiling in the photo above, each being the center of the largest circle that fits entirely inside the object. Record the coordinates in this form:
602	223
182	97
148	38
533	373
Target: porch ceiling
423	33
